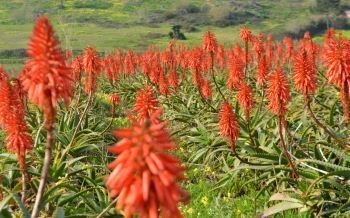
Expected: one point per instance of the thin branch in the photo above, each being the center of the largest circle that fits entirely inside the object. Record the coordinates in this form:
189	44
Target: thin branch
308	105
107	208
284	147
49	122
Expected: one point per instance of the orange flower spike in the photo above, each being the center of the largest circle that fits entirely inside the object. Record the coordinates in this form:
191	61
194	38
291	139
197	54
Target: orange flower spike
278	92
262	72
18	139
46	78
5	96
114	98
209	43
304	73
289	47
163	84
220	57
77	67
245	99
206	89
144	174
258	46
228	123
146	103
173	79
245	34
337	60
92	66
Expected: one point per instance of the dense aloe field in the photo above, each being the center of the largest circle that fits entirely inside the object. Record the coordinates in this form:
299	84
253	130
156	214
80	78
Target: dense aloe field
258	128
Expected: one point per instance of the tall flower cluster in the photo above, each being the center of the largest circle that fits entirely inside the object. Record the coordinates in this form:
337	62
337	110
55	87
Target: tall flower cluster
209	43
278	92
337	60
144	175
146	103
245	99
228	124
12	121
47	78
304	72
92	66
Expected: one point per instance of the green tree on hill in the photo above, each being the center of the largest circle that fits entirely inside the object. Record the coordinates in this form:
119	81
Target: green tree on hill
328	7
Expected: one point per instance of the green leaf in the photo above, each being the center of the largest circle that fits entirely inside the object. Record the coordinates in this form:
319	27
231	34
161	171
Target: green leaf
283	206
59	213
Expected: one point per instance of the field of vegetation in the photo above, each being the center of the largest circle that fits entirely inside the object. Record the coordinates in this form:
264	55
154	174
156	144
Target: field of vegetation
103	115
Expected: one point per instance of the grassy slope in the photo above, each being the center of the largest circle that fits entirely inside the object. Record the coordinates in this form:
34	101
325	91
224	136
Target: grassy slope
80	35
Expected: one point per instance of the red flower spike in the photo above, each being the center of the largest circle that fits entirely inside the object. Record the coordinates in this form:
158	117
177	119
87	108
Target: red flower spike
146	103
144	174
163	84
46	78
114	98
262	72
77	67
18	139
12	119
220	57
304	73
245	99
129	63
228	123
337	60
278	92
206	89
5	96
172	79
209	43
245	34
236	74
92	66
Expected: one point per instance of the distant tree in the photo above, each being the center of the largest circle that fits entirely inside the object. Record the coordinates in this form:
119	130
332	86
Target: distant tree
176	33
328	7
61	6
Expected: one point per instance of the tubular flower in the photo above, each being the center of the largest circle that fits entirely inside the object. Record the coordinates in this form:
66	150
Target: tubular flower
258	46
228	124
245	98
278	92
337	60
220	57
129	62
5	96
288	43
304	73
245	34
197	78
77	67
172	79
146	103
235	75
144	175
262	72
46	78
206	88
163	84
12	120
209	42
18	139
114	98
112	68
92	66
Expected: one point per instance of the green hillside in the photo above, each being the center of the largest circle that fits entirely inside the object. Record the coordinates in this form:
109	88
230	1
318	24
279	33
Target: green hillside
108	24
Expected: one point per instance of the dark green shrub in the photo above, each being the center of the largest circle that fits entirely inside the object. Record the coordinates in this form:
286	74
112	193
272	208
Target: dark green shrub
93	4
